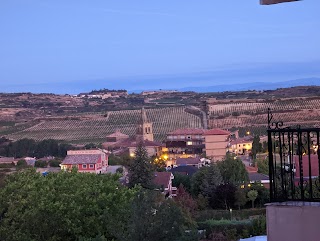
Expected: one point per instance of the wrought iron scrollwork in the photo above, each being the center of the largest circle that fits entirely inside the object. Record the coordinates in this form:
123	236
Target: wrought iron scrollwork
274	125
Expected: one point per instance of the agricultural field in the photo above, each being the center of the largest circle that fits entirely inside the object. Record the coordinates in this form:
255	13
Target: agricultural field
95	130
252	116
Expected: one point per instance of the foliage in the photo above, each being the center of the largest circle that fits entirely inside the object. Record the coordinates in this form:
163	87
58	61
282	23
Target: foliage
159	164
243	214
7	165
28	147
202	202
185	200
205	181
40	163
56	207
263	166
252	196
185	180
263	194
90	146
119	170
256	146
152	218
54	163
22	163
224	196
141	170
233	170
241	197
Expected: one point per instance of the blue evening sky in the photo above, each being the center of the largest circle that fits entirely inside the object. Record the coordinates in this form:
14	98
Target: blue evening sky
75	45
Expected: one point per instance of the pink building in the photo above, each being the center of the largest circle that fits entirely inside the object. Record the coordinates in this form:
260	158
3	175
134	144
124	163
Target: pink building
91	161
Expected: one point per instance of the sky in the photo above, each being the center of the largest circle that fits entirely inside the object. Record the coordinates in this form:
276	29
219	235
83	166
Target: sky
75	45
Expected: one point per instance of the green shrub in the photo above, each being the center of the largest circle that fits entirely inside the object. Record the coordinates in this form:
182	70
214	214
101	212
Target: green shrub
119	170
204	215
22	163
41	164
54	163
7	165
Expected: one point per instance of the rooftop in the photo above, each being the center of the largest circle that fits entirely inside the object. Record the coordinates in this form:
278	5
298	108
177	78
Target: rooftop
81	159
162	178
217	132
188	132
188	161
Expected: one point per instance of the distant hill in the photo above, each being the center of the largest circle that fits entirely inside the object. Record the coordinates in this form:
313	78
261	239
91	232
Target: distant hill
255	86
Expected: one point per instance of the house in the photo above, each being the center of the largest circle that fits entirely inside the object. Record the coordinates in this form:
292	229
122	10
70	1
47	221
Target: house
255	177
241	146
163	180
183	143
216	142
190	161
90	161
184	170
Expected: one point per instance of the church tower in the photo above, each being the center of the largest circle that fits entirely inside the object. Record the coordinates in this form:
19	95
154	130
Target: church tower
144	129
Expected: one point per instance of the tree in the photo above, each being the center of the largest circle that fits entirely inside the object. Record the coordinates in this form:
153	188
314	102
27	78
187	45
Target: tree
252	196
185	200
140	170
46	148
205	181
56	207
233	170
256	146
40	163
263	166
185	180
159	164
241	197
225	196
152	218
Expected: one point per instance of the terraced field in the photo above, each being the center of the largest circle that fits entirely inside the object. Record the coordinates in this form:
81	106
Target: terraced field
253	116
85	131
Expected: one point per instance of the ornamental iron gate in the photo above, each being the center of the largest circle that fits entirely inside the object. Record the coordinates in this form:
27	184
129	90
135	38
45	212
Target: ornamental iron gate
294	162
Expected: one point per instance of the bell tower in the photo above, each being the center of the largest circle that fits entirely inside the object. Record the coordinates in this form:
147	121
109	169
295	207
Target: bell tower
144	129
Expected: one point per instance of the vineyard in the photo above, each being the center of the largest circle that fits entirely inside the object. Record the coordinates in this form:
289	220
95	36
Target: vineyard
253	116
95	130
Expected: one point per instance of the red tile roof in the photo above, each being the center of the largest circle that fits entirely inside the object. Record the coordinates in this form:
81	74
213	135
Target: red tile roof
81	159
187	132
162	179
217	132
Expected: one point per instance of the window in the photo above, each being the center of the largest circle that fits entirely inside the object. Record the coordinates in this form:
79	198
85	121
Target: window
91	166
84	166
182	137
189	137
189	143
169	137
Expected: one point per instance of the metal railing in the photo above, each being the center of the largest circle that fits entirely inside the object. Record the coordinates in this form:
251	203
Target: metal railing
294	160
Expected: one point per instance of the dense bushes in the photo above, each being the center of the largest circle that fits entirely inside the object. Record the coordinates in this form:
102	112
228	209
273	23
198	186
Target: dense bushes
234	229
225	214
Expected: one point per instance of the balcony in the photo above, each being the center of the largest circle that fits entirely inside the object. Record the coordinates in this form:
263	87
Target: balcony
294	174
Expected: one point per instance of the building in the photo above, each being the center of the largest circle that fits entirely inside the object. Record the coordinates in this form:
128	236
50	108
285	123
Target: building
241	146
263	179
190	161
183	143
163	181
122	143
144	129
90	161
216	142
